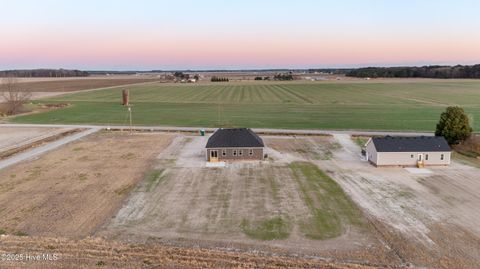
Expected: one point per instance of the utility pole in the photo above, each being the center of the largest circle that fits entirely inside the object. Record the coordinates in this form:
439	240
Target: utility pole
130	115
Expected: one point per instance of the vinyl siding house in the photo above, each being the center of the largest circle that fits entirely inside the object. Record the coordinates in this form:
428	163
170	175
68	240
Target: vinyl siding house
233	145
408	151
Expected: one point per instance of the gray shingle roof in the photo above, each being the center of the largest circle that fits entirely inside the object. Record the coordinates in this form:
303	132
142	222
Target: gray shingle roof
411	144
234	138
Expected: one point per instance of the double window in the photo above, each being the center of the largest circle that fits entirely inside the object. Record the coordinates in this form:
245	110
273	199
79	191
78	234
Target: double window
250	152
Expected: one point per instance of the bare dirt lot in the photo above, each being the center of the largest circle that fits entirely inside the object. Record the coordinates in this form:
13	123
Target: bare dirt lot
271	206
182	214
430	219
73	190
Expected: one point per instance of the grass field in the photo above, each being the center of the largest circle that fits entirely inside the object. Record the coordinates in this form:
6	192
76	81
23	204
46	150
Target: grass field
409	105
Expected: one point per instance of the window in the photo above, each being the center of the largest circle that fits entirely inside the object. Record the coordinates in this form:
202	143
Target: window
442	157
224	152
240	153
234	152
411	156
250	152
426	157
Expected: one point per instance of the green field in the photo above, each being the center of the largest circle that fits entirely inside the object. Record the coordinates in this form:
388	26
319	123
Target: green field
414	105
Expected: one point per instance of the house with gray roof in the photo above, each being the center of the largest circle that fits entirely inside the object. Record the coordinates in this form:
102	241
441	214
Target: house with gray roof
408	151
234	144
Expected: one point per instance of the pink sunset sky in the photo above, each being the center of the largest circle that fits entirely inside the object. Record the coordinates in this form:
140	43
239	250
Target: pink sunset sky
144	35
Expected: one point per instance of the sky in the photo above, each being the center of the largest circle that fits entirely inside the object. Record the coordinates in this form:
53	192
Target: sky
236	34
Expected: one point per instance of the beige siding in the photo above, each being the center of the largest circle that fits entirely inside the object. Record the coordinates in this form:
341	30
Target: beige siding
411	158
405	158
241	154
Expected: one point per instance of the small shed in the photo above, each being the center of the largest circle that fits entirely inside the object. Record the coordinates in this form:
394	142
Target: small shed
408	151
234	144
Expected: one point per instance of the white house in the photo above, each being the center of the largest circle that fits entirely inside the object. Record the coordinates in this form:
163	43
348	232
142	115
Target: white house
408	151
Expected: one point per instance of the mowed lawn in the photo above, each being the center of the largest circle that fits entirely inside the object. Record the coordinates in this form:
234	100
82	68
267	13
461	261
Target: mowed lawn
369	106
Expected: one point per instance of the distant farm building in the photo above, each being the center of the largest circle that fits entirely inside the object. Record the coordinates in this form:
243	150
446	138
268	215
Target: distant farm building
408	151
234	144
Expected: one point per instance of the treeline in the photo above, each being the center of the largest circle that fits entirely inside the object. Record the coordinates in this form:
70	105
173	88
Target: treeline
33	73
219	79
435	71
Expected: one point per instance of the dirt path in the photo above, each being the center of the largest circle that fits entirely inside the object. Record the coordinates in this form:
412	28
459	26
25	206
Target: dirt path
35	152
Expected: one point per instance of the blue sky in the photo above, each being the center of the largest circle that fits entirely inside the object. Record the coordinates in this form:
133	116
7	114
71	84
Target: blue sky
237	34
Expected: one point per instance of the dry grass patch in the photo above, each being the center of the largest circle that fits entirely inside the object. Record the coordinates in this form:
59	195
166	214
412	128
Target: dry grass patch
332	211
61	196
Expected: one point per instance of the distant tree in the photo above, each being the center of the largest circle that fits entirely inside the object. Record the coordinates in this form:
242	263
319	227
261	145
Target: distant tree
13	96
454	125
288	76
219	79
434	71
180	75
196	77
258	78
43	73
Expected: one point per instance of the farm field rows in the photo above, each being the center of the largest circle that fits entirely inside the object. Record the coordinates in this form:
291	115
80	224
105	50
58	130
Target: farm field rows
415	105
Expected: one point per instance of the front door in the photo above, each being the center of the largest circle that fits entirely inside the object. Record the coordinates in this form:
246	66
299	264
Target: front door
214	155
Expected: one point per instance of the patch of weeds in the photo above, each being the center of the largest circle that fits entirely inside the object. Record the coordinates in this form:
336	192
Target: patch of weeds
85	158
2	231
100	263
360	140
128	156
273	186
50	247
13	176
82	176
463	158
20	233
405	194
77	149
123	190
335	146
269	229
35	172
330	207
153	178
